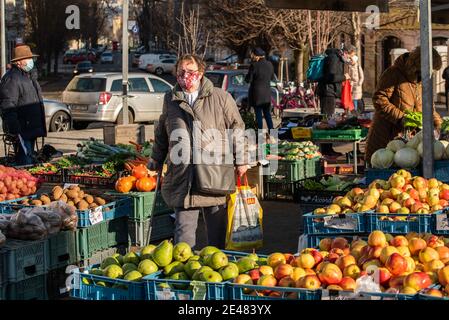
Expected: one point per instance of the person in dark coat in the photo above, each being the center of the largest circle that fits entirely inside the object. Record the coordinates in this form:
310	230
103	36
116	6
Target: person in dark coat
260	74
329	88
446	88
21	104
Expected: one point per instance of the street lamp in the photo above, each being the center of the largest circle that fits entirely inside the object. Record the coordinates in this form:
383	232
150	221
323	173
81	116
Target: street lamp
125	62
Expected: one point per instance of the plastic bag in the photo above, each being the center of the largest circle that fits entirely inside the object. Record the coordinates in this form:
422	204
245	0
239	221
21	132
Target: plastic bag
27	225
346	96
67	214
245	215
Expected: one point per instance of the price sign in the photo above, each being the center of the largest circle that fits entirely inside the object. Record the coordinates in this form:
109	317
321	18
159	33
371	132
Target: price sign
165	294
442	222
342	295
340	222
67	185
96	215
199	290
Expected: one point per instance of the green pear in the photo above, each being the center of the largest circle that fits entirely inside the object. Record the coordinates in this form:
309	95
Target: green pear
211	276
113	271
182	252
119	258
180	276
195	258
86	281
163	254
96	272
131	257
164	285
127	267
133	276
101	284
191	267
109	261
174	267
246	264
231	271
147	267
217	260
148	250
207	251
262	261
253	256
198	273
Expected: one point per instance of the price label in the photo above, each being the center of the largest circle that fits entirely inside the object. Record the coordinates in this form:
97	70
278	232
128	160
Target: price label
165	294
340	222
67	185
342	295
442	222
199	290
96	215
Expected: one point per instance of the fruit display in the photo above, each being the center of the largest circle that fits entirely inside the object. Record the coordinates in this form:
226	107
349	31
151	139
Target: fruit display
141	179
296	151
407	155
16	184
401	194
330	183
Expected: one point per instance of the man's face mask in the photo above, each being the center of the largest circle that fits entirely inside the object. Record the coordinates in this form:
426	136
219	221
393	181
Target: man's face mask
28	66
188	79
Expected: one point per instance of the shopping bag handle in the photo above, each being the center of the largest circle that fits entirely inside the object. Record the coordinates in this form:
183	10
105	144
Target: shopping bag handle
239	183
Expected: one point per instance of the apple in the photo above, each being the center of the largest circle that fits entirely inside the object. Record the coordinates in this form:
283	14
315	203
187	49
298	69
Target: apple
286	282
310	272
292	296
347	283
330	274
255	275
417	281
408	290
310	282
435	293
344	261
266	270
427	255
375	252
415	245
275	259
443	276
396	282
352	271
433	266
386	195
432	183
377	238
289	258
297	273
244	279
394	207
434	242
334	287
275	294
339	243
403	210
325	244
384	276
356	251
396	264
443	203
386	252
267	281
395	193
356	191
408	187
411	265
433	276
398	241
443	253
403	251
444	194
305	261
419	183
283	270
383	209
397	182
416	207
447	289
371	262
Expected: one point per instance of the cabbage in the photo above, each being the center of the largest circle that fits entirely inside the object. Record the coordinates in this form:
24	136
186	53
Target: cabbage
407	158
445	153
395	145
415	141
438	150
420	149
382	159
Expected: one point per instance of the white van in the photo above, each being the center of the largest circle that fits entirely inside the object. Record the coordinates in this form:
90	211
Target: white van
151	58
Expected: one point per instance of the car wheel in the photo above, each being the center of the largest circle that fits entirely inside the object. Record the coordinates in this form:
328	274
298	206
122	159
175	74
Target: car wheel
159	71
80	125
60	122
130	117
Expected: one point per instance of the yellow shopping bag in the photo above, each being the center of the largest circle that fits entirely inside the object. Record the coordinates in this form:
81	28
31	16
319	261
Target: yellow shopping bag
244	219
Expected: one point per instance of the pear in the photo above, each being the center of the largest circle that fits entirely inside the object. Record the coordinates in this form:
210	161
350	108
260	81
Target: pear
163	254
146	252
182	252
191	267
180	276
109	261
131	257
174	267
147	267
198	273
207	251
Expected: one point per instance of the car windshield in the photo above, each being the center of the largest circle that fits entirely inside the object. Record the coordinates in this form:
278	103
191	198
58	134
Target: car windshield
87	85
85	65
216	78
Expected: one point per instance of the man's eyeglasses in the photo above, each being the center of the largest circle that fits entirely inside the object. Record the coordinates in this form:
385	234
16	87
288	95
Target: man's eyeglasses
190	73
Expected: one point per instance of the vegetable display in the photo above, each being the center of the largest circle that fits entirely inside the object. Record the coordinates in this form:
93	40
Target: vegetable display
141	180
15	184
330	183
413	119
297	150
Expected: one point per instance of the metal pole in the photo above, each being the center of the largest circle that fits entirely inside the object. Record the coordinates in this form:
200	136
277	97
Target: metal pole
427	85
125	61
3	37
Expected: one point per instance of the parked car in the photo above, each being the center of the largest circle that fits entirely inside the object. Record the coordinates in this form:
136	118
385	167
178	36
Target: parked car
83	67
75	57
97	97
107	57
57	115
151	58
233	81
164	66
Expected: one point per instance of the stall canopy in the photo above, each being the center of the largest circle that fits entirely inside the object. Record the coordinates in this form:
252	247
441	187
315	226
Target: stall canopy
431	11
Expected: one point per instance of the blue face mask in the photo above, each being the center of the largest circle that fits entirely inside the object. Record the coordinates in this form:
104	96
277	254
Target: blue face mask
29	66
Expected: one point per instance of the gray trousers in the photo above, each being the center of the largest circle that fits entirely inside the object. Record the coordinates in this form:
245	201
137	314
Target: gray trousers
216	219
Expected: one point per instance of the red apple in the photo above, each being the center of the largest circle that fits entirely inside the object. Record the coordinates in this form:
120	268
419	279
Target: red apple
339	243
266	270
267	281
375	252
444	194
386	252
330	274
377	239
309	282
443	253
399	241
344	261
283	270
416	245
384	276
396	282
325	244
305	261
254	274
289	258
275	259
352	271
286	282
417	281
396	264
443	276
347	283
413	194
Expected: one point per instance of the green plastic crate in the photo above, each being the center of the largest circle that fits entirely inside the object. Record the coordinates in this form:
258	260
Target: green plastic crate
350	134
288	170
117	232
24	259
313	168
163	227
62	249
34	288
143	204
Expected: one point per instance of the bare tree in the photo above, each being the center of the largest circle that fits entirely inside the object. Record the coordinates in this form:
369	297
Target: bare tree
194	37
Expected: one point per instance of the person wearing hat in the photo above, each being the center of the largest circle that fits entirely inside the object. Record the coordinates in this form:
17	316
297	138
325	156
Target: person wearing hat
260	74
21	104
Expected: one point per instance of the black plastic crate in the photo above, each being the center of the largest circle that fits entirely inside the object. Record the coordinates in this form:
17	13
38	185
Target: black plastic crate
279	190
34	288
62	249
162	227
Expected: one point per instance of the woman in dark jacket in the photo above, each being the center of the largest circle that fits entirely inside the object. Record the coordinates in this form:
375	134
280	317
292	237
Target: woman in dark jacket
260	74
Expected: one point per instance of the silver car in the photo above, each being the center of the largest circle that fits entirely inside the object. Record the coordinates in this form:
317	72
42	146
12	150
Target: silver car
97	97
57	116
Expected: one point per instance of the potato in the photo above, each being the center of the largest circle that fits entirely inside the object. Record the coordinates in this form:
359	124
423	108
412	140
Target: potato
63	198
45	199
81	194
76	200
36	203
75	188
70	203
25	202
100	201
93	205
82	205
57	192
89	199
72	194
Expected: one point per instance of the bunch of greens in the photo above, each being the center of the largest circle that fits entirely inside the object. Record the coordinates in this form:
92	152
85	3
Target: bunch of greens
413	119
